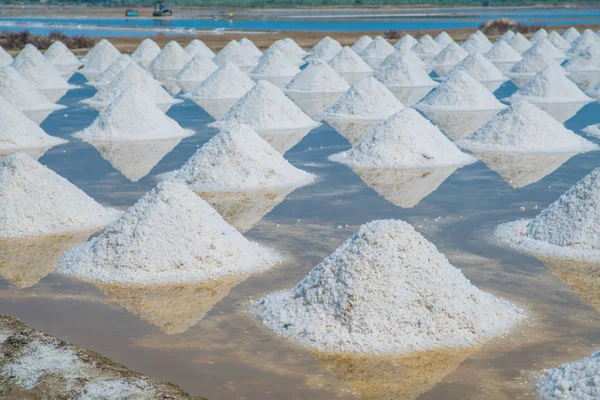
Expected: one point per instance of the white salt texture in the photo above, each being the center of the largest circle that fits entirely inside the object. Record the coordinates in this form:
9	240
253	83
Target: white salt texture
405	140
538	35
5	58
289	50
22	93
367	99
317	77
227	82
426	47
145	53
408	55
97	48
531	64
196	70
558	41
198	48
250	47
524	128
573	380
132	117
585	61
294	47
386	290
443	39
571	34
543	46
452	54
502	52
477	43
237	159
506	36
38	72
378	49
35	201
480	68
362	43
111	73
406	42
274	63
59	54
550	85
326	49
236	54
587	38
519	43
170	235
403	73
171	58
100	60
348	62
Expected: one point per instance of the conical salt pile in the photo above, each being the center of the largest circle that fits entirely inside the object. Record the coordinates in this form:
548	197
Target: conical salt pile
99	60
571	34
294	47
196	70
5	58
60	55
145	53
524	128
502	52
35	201
274	63
326	49
199	48
460	92
406	42
22	93
362	43
586	61
31	53
519	43
550	85
17	132
587	38
367	99
38	72
506	36
317	77
538	35
386	290
377	51
573	380
452	54
178	238
237	158
477	43
531	64
408	56
250	47
558	41
236	54
97	48
480	68
290	51
404	74
348	62
543	46
265	107
111	73
443	39
227	82
426	47
171	58
405	140
132	117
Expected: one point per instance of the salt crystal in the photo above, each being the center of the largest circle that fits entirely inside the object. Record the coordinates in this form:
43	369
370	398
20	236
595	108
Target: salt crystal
571	34
236	54
477	43
99	60
198	48
586	61
538	35
519	43
403	73
452	54
227	82
5	58
362	43
59	54
109	75
348	62
573	380
550	85
502	52
317	77
38	72
196	70
406	42
377	50
171	58
558	41
326	49
543	46
443	39
145	53
251	47
22	93
427	47
274	63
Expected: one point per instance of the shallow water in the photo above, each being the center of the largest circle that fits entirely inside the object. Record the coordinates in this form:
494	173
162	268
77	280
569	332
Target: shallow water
199	337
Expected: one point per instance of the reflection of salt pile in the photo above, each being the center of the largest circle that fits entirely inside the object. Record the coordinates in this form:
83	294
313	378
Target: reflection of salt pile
317	77
426	48
405	140
326	49
407	82
443	39
195	72
406	42
362	43
386	290
503	56
236	54
587	38
558	41
179	237
544	46
571	34
451	55
250	47
98	59
574	380
198	48
477	43
347	62
62	58
538	35
111	73
5	58
531	64
35	201
274	64
171	58
519	43
145	53
482	69
227	82
377	51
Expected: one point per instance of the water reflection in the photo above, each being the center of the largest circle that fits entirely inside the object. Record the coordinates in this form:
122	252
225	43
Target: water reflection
561	111
314	104
55	94
165	77
284	139
458	124
216	108
583	278
409	95
353	131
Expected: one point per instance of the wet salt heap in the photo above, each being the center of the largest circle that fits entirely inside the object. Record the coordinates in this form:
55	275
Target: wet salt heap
524	128
519	43
236	54
99	58
274	63
573	380
502	52
386	290
196	70
405	140
443	39
40	72
171	235
317	77
145	53
378	50
5	58
348	62
538	35
480	68
171	58
403	73
362	43
477	43
326	49
237	158
452	54
22	93
571	34
227	82
110	74
59	54
586	61
426	47
35	201
132	117
198	48
406	42
558	41
551	85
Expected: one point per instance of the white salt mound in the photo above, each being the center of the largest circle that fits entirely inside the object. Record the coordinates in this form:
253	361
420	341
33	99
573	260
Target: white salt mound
39	73
426	47
5	58
266	107
326	49
111	73
519	43
97	47
290	51
361	44
22	93
550	85
196	70
405	140
572	380
59	54
145	53
172	57
506	36
386	290
543	46
378	49
250	47
406	42
367	99
452	54
236	54
538	35
531	64
477	43
227	82
348	62
293	46
317	77
198	48
571	34
558	41
170	235
524	128
443	39
502	52
403	73
35	201
460	92
237	158
100	59
585	61
31	53
132	117
588	38
480	68
408	55
274	63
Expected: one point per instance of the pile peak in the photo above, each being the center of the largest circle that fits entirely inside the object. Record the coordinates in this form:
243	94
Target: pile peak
531	64
348	62
587	38
452	54
250	47
290	50
558	41
426	47
227	82
502	52
236	54
408	55
544	46
109	75
550	85
196	70
378	49
59	54
99	60
361	44
480	68
97	48
538	35
403	73
506	36
519	43
443	39
198	48
275	64
406	42
477	43
317	77
22	93
326	49
571	34
39	72
171	57
145	53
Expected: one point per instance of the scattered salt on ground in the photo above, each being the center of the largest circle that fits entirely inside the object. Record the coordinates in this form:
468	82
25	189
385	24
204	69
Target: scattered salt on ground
403	73
452	54
502	52
37	72
506	36
519	43
97	47
408	55
543	46
586	39
538	35
236	54
289	50
109	75
178	237
132	117
587	60
317	77
378	49
100	60
5	58
198	48
387	289
196	70
592	130
550	85
326	49
172	57
59	54
406	42
19	132
250	47
524	128
443	39
362	43
367	99
566	229
22	93
274	63
35	201
348	62
531	64
227	82
145	53
477	43
572	380
480	68
426	47
460	92
266	107
236	159
405	140
558	41
571	34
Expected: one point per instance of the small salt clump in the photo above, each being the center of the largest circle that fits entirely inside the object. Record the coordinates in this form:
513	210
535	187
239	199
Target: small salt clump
405	140
38	72
227	82
506	36
443	39
326	49
538	35
550	85
524	128
198	48
348	62
477	43
362	43
60	55
132	117
236	54
519	43
250	47
587	38
99	60
572	380
178	238
377	51
426	47
171	58
406	42
502	52
451	55
367	99
386	290
196	70
587	60
558	41
97	48
543	46
145	53
22	93
274	63
571	34
403	73
5	58
317	77
110	74
35	201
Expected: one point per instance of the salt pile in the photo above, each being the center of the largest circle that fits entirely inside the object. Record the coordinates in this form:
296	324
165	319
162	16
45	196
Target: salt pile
60	55
199	48
178	238
111	73
145	53
362	43
502	52
524	128
22	93
506	36
558	41
403	73
250	47
460	92
236	159
35	201
5	58
482	69
519	43
196	70
477	43
587	38
99	60
96	49
543	46
171	58
326	49
566	229
348	62
31	53
531	64
294	47
386	290
227	82
405	140
538	35
317	77
38	72
571	34
572	380
443	39
275	64
550	85
236	54
289	50
452	54
426	47
408	55
132	117
406	42
265	107
377	51
586	61
367	99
